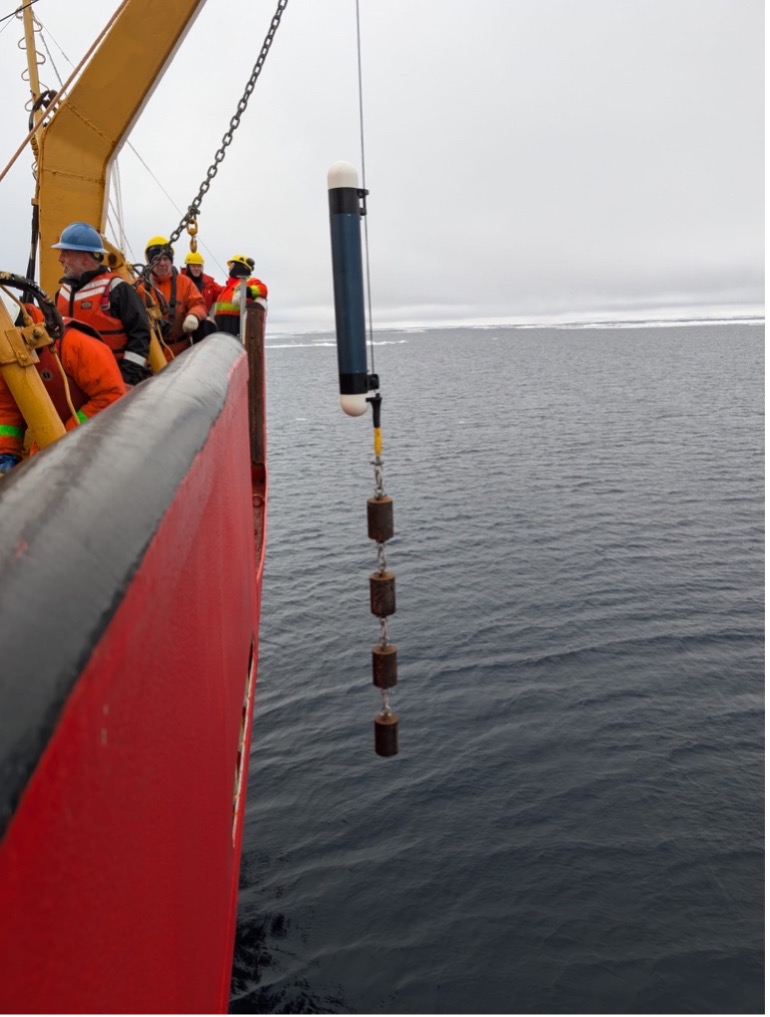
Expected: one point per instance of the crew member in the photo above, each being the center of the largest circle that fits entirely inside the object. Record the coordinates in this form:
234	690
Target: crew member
91	293
227	306
205	284
93	380
183	307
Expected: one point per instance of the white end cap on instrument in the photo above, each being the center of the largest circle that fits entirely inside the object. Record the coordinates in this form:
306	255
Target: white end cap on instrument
353	405
342	174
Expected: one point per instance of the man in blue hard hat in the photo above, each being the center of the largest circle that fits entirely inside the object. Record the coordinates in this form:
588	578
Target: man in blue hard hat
91	293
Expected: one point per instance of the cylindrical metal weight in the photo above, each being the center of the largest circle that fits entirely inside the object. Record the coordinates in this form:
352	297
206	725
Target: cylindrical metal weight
382	593
386	734
384	666
379	514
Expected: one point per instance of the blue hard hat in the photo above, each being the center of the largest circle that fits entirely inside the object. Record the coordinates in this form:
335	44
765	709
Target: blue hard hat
79	236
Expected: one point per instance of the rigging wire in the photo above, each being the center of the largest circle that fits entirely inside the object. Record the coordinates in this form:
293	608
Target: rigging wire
171	201
50	55
13	14
363	185
115	206
54	104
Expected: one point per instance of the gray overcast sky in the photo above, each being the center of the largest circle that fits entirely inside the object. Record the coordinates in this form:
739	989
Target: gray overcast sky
525	158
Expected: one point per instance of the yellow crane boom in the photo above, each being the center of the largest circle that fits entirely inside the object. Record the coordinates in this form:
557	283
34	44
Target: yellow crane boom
92	122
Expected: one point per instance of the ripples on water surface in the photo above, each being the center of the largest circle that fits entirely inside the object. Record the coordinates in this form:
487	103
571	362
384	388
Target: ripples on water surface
575	821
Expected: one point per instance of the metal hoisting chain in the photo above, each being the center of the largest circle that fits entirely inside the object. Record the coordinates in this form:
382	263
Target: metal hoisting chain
382	592
194	207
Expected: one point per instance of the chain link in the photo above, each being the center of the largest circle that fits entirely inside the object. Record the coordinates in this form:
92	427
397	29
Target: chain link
379	485
382	564
194	207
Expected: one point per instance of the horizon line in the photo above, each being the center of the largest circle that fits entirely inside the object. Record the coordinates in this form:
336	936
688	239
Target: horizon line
753	316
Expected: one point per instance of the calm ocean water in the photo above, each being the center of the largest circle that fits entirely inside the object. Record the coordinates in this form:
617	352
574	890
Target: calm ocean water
574	823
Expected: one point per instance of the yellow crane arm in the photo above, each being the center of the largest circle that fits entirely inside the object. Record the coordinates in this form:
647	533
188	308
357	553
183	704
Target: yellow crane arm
93	121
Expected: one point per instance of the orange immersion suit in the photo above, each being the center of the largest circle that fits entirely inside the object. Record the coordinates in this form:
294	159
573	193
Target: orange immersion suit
227	306
181	298
93	377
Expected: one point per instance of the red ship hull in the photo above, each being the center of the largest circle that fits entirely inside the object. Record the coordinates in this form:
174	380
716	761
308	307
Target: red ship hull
130	579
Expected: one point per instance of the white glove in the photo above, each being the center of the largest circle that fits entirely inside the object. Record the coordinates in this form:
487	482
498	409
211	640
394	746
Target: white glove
190	323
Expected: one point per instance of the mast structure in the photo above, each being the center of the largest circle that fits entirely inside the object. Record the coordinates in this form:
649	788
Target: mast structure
32	70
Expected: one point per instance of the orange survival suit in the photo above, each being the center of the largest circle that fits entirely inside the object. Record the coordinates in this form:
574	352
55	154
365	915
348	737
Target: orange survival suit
181	298
227	306
93	376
